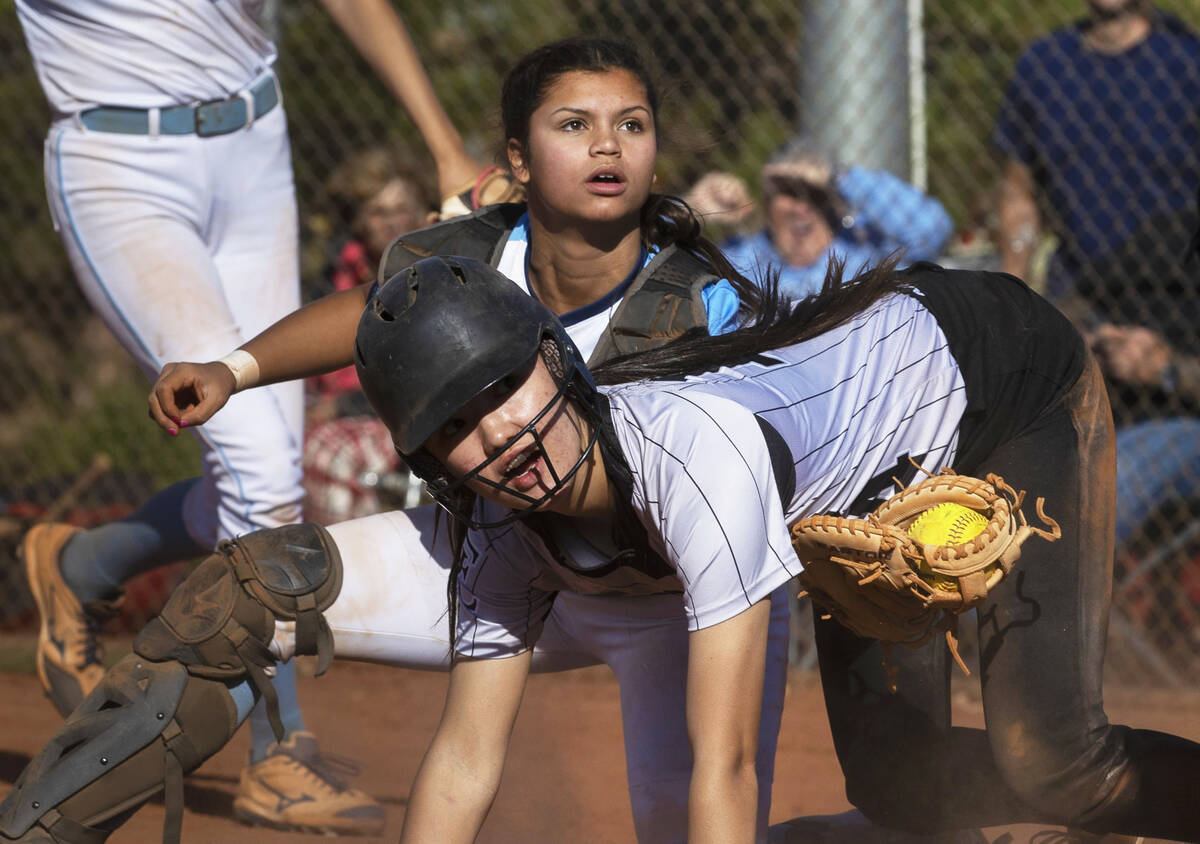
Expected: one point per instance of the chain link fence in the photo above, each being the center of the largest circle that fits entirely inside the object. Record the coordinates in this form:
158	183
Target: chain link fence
913	87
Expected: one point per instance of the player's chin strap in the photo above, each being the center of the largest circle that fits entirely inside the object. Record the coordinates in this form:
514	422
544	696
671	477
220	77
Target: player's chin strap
163	710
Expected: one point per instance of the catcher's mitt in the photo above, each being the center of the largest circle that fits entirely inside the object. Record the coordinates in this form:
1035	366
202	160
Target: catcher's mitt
877	579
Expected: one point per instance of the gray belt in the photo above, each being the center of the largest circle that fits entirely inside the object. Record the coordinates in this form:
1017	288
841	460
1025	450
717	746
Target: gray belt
218	117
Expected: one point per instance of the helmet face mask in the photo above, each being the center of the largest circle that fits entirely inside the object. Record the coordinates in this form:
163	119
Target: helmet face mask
441	333
446	488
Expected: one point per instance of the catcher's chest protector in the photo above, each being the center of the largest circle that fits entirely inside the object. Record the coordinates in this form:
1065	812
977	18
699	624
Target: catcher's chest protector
662	303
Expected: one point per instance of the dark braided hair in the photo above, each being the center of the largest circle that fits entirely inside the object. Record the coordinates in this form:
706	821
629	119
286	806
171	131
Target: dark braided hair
770	322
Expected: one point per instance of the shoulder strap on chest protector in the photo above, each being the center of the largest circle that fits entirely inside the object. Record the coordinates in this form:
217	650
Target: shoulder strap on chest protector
663	302
480	235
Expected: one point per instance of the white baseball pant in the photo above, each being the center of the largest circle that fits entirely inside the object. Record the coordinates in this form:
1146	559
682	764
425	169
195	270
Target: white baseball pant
186	247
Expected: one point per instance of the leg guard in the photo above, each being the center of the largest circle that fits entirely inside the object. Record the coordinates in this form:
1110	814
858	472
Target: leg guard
220	621
145	725
166	708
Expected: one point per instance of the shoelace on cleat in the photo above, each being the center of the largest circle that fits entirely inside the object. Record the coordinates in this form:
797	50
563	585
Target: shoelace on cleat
95	615
331	768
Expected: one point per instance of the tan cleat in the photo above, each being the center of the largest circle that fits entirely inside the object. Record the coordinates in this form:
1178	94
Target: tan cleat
296	787
69	656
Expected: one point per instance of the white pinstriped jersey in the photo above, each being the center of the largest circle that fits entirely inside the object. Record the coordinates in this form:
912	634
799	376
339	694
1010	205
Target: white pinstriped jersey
852	405
143	53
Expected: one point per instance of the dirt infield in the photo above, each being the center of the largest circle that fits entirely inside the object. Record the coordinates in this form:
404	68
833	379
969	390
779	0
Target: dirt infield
565	778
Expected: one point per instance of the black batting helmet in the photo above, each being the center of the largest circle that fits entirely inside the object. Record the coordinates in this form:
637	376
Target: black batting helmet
439	333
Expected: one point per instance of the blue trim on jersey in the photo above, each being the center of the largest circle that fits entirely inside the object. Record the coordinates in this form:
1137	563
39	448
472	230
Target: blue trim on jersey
520	231
75	234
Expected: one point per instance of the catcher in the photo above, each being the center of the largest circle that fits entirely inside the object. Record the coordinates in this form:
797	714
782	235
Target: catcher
687	479
685	475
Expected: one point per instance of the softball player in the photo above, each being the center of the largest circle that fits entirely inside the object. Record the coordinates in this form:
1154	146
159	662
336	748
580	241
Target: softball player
686	480
580	118
169	178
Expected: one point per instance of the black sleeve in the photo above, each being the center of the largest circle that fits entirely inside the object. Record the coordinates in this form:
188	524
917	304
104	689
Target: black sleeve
1018	354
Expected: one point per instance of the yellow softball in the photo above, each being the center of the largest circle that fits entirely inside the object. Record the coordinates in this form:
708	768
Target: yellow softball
947	524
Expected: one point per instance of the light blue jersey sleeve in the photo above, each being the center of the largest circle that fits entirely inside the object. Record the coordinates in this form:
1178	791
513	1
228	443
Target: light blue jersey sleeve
721	304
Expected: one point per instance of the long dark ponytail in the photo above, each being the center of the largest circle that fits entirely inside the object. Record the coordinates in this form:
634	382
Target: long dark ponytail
769	322
668	220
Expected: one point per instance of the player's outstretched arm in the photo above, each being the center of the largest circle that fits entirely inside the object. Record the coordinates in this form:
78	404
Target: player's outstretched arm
316	339
726	663
380	36
460	774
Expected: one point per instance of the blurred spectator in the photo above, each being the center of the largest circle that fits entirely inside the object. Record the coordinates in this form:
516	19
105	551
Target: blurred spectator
1154	373
348	453
814	212
380	196
1101	127
1102	133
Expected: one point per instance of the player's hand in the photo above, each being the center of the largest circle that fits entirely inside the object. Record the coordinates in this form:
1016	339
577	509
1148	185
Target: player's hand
187	394
721	198
1131	353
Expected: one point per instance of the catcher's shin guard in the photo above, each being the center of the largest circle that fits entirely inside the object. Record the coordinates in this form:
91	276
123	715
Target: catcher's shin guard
143	727
166	708
219	623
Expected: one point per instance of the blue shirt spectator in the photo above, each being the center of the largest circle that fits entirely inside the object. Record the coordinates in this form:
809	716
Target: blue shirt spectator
1101	126
868	215
1110	139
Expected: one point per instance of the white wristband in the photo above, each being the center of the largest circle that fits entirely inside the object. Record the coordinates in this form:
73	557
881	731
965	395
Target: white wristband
244	368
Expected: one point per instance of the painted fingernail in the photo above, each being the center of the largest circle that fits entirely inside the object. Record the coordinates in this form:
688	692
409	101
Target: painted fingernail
172	431
183	423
